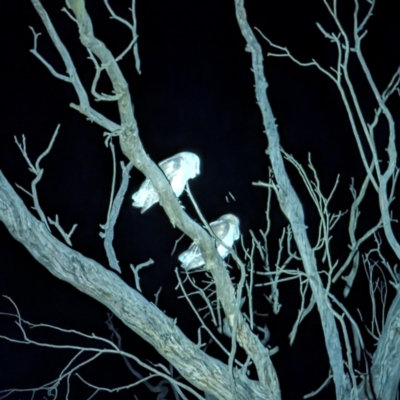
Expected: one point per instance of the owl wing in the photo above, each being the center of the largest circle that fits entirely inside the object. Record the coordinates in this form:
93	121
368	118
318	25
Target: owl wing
178	169
145	197
225	228
191	258
175	170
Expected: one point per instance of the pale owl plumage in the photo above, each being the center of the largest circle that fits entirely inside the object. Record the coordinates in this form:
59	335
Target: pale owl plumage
225	228
178	169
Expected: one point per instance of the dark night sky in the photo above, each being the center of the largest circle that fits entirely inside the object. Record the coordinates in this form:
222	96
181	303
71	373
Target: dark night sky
195	93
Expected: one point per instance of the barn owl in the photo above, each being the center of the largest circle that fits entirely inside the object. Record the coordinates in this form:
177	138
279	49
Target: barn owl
178	169
225	228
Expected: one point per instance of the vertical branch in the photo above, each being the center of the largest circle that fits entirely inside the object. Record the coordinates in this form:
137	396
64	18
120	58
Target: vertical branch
292	208
135	38
386	361
112	215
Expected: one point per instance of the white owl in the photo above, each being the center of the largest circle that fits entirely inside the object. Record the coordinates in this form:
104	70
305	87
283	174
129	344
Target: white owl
178	169
225	228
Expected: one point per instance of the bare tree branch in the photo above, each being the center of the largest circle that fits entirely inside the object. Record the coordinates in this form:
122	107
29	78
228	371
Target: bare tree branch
140	315
292	208
133	149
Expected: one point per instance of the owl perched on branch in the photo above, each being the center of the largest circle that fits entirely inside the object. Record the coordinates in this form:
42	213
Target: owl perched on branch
225	228
178	169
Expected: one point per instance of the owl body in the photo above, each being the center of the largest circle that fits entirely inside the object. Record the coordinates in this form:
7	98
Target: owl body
178	169
225	228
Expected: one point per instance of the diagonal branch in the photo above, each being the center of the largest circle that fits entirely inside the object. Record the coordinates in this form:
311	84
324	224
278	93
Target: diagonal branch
133	149
140	315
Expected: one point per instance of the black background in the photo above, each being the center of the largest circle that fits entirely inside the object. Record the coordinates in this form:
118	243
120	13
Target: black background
195	93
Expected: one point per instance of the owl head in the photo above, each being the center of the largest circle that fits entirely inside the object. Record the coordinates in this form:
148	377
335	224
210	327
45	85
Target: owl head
193	163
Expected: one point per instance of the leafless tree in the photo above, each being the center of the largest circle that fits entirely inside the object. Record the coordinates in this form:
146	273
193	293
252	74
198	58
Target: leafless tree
228	303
